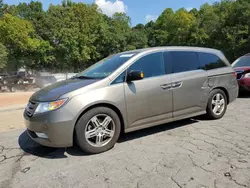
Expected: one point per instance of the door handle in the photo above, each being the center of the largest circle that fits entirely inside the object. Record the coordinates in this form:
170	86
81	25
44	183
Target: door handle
177	84
166	86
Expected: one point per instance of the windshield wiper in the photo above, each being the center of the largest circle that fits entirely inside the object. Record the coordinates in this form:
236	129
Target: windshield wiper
83	77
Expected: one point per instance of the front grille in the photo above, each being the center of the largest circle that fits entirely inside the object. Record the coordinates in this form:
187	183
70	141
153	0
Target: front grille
240	74
30	109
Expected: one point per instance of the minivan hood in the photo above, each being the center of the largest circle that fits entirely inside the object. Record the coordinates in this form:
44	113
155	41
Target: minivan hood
54	91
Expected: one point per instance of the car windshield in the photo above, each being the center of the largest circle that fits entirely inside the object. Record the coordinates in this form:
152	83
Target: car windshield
105	67
242	62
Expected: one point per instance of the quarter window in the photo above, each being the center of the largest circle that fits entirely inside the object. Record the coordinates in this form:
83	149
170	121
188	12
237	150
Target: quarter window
210	61
184	61
119	79
151	65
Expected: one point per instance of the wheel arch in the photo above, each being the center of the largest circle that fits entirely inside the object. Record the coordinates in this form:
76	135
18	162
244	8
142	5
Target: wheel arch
103	104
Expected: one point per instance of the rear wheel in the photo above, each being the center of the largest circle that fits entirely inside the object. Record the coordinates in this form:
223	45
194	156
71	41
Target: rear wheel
217	104
98	130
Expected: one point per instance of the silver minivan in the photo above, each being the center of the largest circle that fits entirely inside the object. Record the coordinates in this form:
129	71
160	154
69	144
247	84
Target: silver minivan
130	91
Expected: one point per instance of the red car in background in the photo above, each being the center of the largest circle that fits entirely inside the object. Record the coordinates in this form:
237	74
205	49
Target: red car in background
242	69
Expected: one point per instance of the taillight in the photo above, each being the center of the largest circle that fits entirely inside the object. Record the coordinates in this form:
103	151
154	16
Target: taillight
235	74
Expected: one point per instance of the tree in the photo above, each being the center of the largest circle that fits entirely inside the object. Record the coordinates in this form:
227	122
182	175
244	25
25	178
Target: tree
173	28
18	36
74	30
3	56
138	37
72	36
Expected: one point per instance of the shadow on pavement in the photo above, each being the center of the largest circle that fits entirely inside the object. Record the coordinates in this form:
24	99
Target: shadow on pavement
156	129
243	95
33	148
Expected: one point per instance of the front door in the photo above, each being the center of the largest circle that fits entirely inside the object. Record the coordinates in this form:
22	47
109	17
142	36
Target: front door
149	101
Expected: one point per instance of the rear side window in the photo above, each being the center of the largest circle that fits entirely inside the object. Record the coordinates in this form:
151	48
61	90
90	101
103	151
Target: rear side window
210	61
184	61
151	65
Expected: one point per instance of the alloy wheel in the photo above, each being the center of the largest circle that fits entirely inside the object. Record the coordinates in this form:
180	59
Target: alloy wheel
100	130
218	104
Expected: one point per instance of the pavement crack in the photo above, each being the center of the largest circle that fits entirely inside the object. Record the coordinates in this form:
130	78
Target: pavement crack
215	184
1	148
240	184
176	182
6	158
199	165
126	168
187	149
3	158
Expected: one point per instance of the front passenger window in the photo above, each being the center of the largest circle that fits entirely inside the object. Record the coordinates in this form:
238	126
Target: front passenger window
151	65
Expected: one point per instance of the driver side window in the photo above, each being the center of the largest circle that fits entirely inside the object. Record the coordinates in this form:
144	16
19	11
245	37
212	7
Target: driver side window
151	65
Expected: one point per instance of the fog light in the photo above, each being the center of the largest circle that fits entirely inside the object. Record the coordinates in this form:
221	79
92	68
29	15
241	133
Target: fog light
42	135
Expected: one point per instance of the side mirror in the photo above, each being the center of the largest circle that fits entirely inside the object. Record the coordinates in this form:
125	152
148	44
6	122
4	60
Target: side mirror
135	75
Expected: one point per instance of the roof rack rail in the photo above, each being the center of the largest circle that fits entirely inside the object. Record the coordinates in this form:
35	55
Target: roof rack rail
248	54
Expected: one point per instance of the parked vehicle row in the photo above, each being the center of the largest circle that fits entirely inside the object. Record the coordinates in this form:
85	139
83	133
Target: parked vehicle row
130	91
20	79
16	77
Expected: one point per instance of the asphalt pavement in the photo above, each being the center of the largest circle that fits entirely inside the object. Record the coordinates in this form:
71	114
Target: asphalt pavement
193	153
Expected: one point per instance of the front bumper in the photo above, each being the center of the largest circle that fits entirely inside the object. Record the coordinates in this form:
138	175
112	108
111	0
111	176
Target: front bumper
58	126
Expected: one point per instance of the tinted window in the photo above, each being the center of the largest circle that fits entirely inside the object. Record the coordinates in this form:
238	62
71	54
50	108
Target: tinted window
168	62
184	61
210	61
242	62
151	65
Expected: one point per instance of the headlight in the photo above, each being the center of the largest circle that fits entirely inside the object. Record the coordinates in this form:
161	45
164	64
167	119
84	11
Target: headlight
49	106
247	75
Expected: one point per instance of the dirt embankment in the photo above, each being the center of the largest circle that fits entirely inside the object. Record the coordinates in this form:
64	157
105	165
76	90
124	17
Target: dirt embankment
12	118
11	99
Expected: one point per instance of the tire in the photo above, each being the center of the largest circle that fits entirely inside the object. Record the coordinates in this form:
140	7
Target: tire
221	108
86	125
12	89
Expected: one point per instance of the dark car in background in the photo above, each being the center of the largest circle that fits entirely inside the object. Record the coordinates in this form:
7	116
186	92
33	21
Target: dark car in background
17	77
44	79
242	69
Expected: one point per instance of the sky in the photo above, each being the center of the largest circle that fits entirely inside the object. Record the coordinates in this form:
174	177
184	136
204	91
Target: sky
140	11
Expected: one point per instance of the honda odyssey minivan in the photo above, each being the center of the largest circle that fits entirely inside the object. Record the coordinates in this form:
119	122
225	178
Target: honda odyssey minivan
130	91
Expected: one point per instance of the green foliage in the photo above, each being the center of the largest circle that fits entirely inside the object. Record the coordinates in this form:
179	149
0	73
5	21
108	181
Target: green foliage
72	36
3	56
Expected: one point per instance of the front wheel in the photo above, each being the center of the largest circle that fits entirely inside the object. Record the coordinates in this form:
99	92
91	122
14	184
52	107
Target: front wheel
98	130
217	104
